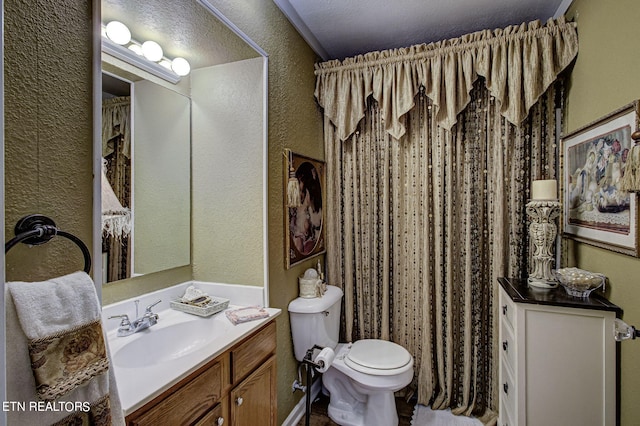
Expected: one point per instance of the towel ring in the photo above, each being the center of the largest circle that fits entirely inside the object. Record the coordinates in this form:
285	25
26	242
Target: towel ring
37	229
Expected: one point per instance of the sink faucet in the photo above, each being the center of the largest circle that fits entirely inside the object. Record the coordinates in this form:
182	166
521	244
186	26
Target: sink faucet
127	327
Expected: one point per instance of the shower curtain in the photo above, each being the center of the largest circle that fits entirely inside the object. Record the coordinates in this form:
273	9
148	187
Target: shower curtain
430	152
116	150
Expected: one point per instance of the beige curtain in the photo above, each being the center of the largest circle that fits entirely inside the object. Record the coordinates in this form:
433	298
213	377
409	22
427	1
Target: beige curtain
116	150
116	123
518	63
426	211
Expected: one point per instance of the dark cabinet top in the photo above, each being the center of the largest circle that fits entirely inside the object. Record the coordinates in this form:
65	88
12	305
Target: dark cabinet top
520	292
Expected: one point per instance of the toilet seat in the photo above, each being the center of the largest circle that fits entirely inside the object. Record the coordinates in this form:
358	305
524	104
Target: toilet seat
377	357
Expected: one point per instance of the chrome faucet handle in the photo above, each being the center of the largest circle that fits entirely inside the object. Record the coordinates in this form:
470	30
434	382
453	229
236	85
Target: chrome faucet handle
137	302
151	317
125	319
148	310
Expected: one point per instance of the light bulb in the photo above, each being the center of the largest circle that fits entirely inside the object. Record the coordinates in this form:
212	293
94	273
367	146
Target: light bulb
118	32
152	50
136	48
180	66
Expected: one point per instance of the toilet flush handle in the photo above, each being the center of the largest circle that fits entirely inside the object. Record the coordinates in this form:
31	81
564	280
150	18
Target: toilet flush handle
326	313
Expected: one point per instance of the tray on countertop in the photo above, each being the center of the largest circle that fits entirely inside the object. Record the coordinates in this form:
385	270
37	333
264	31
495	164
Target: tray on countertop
214	306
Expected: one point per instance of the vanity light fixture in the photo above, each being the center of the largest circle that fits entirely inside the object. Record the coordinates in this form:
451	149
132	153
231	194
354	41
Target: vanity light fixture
181	66
118	32
148	56
152	51
623	331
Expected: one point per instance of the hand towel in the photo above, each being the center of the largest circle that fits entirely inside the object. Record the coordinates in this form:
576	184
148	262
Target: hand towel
58	361
250	313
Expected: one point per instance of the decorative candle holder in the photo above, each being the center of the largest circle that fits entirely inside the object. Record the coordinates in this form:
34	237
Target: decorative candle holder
542	232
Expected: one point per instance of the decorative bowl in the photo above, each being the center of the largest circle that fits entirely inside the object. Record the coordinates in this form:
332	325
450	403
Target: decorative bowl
578	282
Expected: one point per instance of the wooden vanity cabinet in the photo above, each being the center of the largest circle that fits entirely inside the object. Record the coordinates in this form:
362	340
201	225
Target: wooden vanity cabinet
217	415
253	376
236	388
253	400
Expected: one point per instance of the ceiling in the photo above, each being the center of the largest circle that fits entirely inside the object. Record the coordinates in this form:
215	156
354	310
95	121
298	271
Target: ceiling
337	29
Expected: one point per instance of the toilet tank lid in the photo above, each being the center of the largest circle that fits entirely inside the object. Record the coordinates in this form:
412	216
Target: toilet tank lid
301	305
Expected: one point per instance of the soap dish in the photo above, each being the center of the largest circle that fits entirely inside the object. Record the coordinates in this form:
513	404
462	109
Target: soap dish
215	305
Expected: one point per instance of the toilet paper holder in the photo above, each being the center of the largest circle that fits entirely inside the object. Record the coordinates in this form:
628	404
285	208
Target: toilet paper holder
308	361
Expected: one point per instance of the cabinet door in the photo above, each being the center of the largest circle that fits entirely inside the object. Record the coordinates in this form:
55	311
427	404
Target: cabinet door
249	354
218	416
185	405
253	401
569	366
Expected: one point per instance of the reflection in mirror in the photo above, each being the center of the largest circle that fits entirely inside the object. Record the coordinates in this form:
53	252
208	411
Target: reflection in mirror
116	178
146	152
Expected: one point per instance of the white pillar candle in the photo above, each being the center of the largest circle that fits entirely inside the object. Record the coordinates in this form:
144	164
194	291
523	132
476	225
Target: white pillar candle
544	189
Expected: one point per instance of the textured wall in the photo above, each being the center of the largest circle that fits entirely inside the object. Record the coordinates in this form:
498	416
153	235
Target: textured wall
295	123
604	78
48	129
161	178
227	177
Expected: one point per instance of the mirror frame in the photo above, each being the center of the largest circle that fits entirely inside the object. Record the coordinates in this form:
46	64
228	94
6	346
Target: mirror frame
3	346
96	249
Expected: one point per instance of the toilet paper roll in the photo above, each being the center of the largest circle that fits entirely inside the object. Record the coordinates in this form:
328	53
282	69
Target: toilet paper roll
324	359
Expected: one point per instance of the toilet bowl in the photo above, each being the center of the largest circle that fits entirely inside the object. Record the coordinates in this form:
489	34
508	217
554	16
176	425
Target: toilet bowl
362	380
363	376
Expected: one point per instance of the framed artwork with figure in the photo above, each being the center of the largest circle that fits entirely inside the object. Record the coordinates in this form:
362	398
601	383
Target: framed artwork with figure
304	208
595	210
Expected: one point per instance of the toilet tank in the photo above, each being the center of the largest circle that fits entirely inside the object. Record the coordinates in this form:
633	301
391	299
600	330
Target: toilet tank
315	321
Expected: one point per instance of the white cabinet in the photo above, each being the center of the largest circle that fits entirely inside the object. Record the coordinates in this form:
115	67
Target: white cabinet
557	358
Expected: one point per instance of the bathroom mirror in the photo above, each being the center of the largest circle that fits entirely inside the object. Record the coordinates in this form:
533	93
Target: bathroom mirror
146	153
225	95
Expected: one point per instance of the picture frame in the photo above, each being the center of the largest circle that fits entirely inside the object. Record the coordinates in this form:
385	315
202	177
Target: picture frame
595	210
304	223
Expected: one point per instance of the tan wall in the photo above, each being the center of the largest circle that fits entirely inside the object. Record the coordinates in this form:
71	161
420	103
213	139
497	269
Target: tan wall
295	123
48	130
227	173
48	143
604	78
161	178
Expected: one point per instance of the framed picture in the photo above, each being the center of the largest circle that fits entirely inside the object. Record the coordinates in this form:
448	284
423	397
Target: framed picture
304	208
595	210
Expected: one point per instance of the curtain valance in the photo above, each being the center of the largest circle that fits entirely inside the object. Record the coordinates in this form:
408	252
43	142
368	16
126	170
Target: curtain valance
116	120
518	64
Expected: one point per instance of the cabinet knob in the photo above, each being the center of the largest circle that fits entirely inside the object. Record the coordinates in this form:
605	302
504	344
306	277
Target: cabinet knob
239	401
505	387
220	421
505	346
504	309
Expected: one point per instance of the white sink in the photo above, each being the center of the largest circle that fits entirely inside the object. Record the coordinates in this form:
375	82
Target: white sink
164	343
150	361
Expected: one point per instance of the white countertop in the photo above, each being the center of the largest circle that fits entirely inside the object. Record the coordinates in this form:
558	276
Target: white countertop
145	377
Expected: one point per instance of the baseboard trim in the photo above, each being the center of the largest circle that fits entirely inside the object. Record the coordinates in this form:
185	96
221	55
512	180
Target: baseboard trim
299	410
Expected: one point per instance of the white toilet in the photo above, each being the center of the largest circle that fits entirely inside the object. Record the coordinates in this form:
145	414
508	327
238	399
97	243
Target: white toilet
364	374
